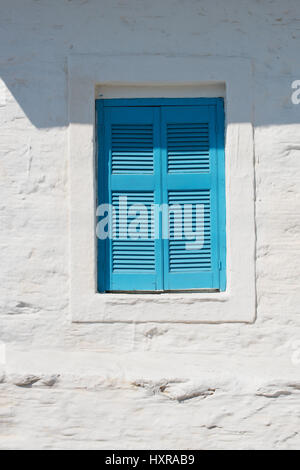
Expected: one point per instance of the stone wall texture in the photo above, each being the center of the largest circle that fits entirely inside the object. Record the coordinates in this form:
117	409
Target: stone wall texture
123	385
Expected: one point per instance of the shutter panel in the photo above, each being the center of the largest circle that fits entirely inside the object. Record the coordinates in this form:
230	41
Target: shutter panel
189	154
132	258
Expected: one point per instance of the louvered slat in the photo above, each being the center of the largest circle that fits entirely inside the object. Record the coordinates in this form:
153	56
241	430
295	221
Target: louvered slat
132	148
180	257
136	254
188	148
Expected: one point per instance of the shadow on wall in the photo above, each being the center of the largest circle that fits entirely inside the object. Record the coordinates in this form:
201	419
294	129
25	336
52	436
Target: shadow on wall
37	37
40	90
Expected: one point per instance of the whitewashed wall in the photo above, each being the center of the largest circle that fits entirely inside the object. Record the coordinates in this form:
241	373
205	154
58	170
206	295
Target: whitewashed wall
126	385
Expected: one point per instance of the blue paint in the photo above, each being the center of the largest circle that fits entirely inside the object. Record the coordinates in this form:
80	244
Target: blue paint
163	151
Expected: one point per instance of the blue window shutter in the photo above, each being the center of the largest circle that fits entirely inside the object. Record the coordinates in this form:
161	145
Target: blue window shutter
155	151
191	176
130	162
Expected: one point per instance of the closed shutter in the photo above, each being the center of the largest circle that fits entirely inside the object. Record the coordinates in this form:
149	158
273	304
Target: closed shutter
190	182
131	155
158	154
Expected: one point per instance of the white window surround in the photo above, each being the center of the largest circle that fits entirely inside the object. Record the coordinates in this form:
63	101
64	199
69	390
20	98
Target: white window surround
88	73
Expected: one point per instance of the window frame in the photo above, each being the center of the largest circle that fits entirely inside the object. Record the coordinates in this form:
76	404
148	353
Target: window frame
192	75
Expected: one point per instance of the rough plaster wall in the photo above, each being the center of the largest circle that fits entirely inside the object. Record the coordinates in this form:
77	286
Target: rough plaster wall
118	385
